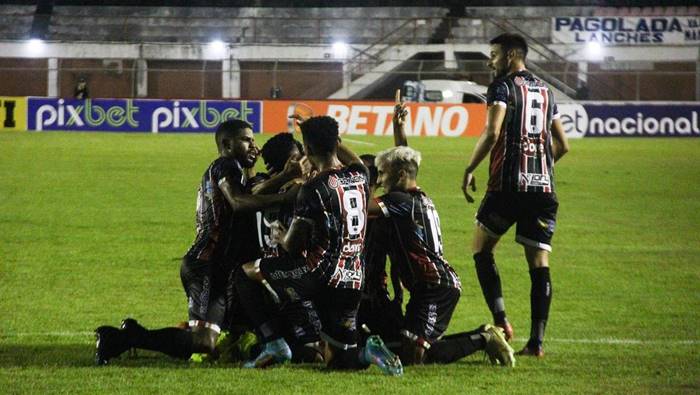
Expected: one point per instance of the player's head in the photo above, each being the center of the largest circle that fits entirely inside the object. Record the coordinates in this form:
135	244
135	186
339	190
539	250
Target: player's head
398	168
235	139
507	50
368	160
320	136
278	150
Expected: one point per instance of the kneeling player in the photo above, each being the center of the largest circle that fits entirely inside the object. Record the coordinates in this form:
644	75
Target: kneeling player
408	228
324	243
225	215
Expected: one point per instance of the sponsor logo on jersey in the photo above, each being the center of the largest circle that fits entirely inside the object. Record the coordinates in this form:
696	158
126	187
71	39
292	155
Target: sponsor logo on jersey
534	179
352	249
352	180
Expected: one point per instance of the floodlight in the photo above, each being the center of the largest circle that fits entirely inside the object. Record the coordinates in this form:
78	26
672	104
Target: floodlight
35	47
340	50
217	48
594	49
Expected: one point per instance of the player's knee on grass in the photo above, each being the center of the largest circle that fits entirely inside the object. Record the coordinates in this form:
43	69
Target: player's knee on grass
204	340
307	353
412	352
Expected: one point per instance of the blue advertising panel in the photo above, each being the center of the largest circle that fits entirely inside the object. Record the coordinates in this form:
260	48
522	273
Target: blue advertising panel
127	115
630	120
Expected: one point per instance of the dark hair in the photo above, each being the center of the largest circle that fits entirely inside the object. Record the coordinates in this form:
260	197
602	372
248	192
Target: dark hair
368	159
277	150
230	128
509	41
320	134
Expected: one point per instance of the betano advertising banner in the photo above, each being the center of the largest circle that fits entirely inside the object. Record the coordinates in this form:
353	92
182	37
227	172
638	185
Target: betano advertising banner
374	118
126	115
631	120
13	114
615	30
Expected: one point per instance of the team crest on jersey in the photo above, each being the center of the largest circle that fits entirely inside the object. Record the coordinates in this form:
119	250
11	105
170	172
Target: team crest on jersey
333	182
519	81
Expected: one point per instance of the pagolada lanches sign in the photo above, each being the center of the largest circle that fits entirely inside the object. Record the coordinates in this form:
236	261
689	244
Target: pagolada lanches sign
652	30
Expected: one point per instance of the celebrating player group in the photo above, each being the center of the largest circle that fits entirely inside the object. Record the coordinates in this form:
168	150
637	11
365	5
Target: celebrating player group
290	265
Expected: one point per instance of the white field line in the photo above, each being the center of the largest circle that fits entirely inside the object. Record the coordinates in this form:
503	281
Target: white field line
607	341
358	141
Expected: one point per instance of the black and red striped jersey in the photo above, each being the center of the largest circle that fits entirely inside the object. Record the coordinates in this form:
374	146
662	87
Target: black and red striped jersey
222	236
409	232
521	159
335	202
266	219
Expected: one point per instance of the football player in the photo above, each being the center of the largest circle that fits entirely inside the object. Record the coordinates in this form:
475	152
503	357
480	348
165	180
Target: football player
225	223
324	243
525	137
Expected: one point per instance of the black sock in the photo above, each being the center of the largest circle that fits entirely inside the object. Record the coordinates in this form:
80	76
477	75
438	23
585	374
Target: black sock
175	342
540	299
455	347
251	295
490	282
349	359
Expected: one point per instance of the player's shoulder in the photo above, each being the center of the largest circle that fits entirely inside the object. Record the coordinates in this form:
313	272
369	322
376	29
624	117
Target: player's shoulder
498	82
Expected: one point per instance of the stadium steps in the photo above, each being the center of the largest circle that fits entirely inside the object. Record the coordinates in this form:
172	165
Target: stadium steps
353	25
16	21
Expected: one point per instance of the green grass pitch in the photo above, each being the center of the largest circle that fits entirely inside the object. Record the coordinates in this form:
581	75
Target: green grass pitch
92	227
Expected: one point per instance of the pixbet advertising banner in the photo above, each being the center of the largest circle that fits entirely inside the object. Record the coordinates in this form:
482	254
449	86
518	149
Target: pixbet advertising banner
374	118
613	30
126	115
630	120
13	114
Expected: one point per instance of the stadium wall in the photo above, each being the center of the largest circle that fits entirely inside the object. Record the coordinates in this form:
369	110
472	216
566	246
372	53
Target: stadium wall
624	119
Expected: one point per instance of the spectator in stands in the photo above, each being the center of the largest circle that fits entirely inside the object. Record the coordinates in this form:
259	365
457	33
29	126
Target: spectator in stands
81	91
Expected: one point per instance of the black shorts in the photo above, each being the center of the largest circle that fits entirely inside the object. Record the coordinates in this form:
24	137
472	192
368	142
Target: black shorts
301	322
534	213
429	311
293	281
210	291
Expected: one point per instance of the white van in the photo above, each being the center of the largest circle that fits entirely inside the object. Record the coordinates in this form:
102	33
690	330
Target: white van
444	91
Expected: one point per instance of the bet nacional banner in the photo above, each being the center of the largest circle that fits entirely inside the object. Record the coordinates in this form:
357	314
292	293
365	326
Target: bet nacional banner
631	119
615	30
13	114
374	118
127	115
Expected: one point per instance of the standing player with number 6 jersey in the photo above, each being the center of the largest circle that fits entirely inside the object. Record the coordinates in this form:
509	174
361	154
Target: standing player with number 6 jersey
525	137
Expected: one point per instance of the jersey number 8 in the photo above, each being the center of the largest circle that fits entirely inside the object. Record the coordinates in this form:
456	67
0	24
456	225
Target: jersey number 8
353	204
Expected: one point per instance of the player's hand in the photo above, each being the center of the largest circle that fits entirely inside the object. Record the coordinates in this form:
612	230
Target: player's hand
277	232
294	168
468	181
400	111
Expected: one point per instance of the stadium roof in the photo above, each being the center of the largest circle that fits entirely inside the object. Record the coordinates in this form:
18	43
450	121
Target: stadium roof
357	3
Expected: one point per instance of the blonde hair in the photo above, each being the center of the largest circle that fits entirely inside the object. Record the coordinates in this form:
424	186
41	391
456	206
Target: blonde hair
399	158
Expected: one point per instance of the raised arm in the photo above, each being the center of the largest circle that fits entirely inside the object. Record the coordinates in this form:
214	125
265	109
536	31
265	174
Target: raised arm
399	121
